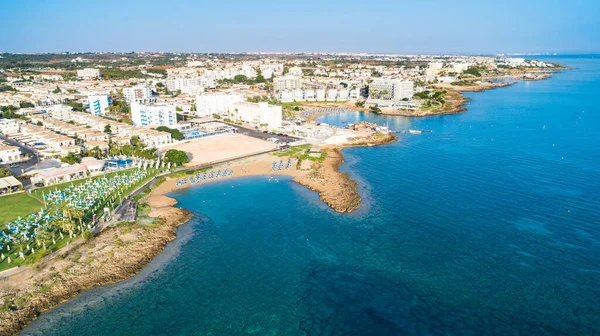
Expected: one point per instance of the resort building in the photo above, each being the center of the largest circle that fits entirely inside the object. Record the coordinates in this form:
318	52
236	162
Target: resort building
433	68
89	73
53	176
287	83
258	113
94	166
391	89
9	126
185	84
147	115
61	112
98	104
207	105
9	184
10	154
140	94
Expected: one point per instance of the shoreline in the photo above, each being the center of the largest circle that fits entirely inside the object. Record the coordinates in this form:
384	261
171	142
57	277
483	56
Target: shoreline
120	252
458	101
115	254
336	189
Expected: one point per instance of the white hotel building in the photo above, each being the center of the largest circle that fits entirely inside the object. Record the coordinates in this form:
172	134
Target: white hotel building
207	105
153	115
140	94
98	104
391	89
190	85
89	73
287	83
258	113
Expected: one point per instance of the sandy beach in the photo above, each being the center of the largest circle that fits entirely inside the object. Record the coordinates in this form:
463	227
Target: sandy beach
252	166
121	251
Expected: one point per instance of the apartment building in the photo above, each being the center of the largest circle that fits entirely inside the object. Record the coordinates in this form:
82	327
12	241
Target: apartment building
391	89
207	105
9	126
121	132
185	84
98	104
287	83
89	73
9	153
258	113
147	115
433	68
154	138
140	94
61	112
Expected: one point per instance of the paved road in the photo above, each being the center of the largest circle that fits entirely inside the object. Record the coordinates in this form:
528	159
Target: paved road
260	135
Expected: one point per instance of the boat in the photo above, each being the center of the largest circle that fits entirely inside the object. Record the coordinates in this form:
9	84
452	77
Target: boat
412	131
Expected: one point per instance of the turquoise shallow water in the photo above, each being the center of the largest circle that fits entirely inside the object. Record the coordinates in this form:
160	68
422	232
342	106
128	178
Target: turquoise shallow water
488	225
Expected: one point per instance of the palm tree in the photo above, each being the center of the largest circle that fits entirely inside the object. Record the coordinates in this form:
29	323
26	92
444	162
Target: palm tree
67	224
76	214
42	235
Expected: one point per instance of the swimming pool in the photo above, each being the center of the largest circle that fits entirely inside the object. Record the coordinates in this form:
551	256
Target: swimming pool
120	164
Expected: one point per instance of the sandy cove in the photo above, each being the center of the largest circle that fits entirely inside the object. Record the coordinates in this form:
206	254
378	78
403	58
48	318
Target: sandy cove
335	188
120	252
115	254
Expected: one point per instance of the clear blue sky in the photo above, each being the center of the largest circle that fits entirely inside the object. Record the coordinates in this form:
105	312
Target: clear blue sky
395	26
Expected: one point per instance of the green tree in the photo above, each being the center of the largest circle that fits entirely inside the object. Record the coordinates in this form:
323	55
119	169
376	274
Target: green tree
259	76
57	90
4	88
135	141
70	158
375	109
24	104
5	172
240	79
8	112
95	152
39	123
175	134
176	157
178	109
474	71
107	129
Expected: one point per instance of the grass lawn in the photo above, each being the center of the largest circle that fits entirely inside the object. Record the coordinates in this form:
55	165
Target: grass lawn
13	206
38	192
23	205
301	153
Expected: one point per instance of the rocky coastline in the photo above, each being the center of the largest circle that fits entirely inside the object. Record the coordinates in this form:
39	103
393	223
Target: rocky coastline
337	189
115	254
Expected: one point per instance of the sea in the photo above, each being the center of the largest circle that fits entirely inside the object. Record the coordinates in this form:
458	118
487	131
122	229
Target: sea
487	225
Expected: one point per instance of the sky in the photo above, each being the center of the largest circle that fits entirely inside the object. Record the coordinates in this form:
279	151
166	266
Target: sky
382	26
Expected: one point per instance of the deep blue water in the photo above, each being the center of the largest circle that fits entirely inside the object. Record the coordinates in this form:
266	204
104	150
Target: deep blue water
488	225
